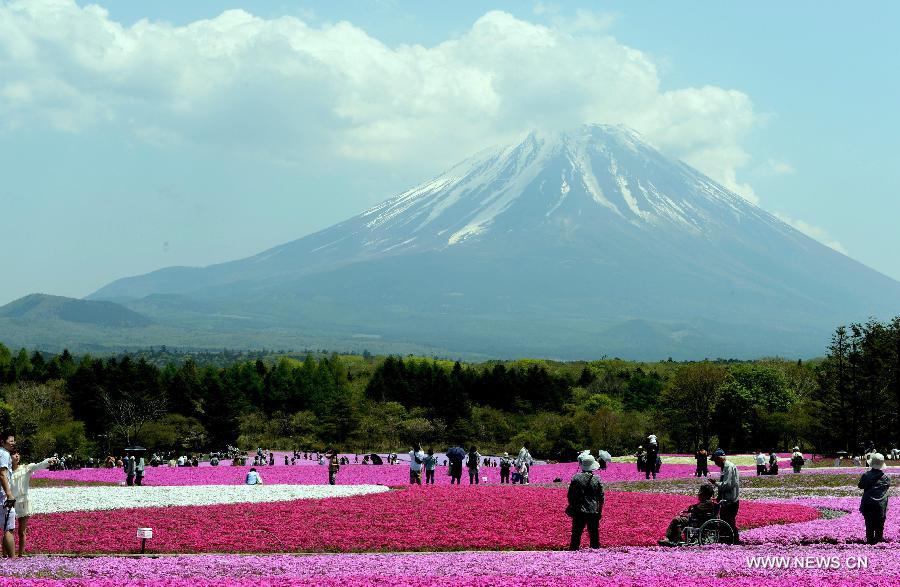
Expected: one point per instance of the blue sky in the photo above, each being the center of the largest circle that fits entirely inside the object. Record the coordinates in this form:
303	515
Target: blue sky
150	134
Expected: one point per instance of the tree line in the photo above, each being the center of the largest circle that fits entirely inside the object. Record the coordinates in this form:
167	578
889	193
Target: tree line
90	405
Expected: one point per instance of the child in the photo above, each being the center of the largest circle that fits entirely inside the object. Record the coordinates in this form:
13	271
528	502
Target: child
430	463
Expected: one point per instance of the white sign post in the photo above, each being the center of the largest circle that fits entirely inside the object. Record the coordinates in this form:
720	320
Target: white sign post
144	534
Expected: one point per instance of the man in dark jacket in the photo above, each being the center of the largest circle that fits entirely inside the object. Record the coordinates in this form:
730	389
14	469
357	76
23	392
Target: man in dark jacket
585	503
875	485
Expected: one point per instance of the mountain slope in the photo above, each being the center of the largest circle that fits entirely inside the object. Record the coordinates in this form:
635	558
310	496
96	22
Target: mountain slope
582	243
97	313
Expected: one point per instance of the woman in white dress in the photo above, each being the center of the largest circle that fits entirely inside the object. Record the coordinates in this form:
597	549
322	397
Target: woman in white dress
21	480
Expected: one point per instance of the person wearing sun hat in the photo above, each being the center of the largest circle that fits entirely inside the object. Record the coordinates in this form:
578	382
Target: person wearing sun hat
585	502
797	459
729	486
505	465
873	506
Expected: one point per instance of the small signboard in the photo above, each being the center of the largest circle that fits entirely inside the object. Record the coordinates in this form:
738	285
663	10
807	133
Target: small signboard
145	532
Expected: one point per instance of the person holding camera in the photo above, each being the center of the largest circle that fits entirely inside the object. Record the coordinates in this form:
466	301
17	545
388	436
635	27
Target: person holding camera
21	482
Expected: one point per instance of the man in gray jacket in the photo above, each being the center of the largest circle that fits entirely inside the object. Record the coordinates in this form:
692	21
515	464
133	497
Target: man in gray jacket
585	502
875	485
729	486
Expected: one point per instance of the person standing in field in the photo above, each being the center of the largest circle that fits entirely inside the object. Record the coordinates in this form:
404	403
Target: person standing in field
505	465
430	464
455	463
875	485
523	463
651	466
701	457
416	458
473	464
760	463
797	459
333	466
21	481
729	486
585	497
129	467
139	471
7	497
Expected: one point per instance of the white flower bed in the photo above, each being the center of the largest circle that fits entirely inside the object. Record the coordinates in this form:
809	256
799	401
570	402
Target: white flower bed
74	499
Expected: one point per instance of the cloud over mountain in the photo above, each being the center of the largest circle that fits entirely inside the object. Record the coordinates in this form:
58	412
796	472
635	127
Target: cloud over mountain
287	89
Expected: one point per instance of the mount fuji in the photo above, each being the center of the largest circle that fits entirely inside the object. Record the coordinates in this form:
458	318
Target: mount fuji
570	245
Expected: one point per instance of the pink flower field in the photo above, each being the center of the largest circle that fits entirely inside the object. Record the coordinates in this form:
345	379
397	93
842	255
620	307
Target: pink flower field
644	567
408	519
350	474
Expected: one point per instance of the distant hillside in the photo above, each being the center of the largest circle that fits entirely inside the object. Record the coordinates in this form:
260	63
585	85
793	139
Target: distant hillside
565	245
97	313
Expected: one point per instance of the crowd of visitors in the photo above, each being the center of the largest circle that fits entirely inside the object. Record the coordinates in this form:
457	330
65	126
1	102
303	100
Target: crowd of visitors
585	497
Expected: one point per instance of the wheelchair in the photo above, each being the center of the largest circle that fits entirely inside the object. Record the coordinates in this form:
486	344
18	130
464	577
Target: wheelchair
712	531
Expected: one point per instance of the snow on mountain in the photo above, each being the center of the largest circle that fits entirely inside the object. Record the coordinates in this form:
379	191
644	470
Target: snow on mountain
575	236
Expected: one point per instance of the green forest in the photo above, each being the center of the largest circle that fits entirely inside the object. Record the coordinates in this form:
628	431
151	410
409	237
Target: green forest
91	406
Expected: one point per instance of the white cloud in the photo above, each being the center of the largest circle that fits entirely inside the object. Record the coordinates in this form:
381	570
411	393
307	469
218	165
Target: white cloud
280	88
778	167
816	232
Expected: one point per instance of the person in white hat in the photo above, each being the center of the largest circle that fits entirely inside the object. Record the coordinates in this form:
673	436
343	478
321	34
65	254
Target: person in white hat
797	460
873	506
585	502
505	466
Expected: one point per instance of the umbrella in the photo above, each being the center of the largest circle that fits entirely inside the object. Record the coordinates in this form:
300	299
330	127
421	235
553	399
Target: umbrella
376	460
602	454
456	454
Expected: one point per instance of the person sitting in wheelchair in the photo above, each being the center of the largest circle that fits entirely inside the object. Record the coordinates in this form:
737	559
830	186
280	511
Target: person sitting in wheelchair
692	516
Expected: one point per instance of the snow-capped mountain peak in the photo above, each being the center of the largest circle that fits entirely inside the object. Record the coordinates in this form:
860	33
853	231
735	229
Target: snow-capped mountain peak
595	170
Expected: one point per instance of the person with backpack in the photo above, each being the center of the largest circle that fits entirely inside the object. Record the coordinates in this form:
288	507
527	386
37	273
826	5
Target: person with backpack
875	485
505	465
585	497
473	465
416	458
773	464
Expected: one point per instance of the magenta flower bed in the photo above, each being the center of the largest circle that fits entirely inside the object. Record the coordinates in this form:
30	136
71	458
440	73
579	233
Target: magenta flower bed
649	567
351	474
433	518
845	529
